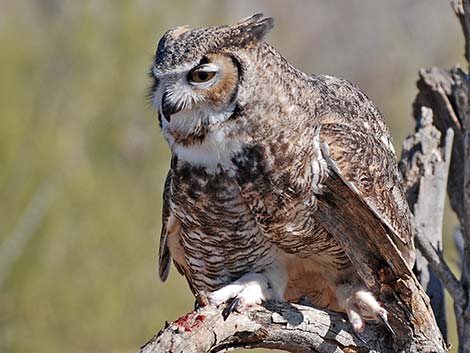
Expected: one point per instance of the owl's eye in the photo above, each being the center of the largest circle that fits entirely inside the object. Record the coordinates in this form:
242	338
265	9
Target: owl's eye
201	74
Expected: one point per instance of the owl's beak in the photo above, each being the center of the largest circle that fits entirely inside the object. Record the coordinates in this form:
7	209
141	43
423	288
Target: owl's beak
168	109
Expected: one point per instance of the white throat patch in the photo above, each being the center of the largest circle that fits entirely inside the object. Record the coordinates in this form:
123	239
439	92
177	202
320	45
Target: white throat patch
215	151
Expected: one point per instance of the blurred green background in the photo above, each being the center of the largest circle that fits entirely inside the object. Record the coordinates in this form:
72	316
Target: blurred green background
82	162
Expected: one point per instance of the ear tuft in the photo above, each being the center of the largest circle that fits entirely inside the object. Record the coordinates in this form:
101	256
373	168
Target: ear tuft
262	27
252	29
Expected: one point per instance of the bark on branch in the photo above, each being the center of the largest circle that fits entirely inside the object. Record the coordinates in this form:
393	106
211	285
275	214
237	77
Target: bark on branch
290	327
425	168
447	93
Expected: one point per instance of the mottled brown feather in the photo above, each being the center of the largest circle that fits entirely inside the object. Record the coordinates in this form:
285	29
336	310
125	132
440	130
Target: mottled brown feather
260	205
164	256
369	168
170	237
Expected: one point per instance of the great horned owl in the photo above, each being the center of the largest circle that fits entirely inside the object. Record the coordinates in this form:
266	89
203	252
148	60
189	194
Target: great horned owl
246	130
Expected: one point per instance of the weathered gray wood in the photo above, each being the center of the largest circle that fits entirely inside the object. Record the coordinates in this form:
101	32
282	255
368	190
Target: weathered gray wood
441	269
290	327
441	90
447	93
425	168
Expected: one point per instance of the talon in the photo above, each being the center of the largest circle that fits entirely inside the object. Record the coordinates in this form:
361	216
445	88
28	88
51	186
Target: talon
230	308
362	339
197	305
383	317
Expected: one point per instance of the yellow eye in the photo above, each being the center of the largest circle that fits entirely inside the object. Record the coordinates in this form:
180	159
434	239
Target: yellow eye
199	76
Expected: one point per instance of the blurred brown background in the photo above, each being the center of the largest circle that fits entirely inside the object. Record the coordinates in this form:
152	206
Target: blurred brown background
82	162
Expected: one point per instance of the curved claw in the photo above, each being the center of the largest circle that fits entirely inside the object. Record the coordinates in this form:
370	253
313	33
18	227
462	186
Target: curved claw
197	305
383	318
230	308
362	339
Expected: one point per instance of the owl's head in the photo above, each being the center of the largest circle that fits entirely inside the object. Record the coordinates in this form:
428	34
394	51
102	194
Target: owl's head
197	73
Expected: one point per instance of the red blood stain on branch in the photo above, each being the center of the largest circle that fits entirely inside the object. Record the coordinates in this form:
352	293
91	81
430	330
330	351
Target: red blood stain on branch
188	322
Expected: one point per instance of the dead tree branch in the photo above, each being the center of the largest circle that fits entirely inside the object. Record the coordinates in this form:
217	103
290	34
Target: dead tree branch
291	327
425	167
447	93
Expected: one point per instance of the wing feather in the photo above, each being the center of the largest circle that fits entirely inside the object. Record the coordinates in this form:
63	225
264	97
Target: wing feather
170	238
368	167
164	257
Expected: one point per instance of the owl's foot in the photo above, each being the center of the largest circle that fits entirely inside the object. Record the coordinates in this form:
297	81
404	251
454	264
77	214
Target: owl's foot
359	303
251	289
